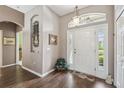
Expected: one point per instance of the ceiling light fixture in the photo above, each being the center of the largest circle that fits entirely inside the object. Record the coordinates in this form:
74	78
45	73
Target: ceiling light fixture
76	19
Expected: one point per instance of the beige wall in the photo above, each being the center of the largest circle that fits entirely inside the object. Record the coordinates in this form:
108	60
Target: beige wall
9	14
43	61
9	30
18	28
50	26
109	10
49	23
16	17
32	60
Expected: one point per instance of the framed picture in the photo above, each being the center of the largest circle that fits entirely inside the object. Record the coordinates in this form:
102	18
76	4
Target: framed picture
9	41
52	39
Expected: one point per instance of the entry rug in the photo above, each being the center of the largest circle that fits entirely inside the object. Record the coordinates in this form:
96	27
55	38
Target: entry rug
84	76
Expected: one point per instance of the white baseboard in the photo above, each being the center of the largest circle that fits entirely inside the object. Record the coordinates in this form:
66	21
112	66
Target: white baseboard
34	72
7	65
45	74
19	62
118	85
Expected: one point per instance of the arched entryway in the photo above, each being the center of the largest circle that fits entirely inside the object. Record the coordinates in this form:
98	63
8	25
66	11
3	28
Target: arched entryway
8	42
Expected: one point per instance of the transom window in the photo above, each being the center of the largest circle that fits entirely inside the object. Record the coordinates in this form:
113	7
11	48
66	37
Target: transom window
87	19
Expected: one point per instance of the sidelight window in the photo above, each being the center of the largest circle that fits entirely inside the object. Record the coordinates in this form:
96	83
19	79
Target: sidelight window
101	50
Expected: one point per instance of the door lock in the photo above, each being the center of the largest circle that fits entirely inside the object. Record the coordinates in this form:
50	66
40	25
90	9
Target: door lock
74	51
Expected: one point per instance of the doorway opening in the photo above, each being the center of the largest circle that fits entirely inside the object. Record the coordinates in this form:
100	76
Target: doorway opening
19	41
8	43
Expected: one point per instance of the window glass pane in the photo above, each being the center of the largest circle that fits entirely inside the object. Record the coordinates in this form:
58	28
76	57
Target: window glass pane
71	49
101	56
87	19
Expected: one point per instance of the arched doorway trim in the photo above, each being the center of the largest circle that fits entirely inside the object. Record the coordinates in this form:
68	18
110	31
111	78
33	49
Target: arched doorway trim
12	22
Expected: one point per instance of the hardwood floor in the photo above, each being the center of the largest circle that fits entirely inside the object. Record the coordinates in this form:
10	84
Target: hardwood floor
16	77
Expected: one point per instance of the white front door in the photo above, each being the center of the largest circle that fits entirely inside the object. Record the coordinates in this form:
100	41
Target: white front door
1	48
83	51
84	46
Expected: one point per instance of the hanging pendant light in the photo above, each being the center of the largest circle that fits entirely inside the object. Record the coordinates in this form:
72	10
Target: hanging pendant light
76	19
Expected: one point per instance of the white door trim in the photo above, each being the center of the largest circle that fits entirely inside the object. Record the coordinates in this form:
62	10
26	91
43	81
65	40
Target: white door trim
1	48
103	28
17	49
118	12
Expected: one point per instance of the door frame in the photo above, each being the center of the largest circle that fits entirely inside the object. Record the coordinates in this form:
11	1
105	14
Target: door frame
119	53
118	14
1	48
18	62
106	46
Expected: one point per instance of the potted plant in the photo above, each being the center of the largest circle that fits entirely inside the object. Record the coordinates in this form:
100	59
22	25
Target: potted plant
61	64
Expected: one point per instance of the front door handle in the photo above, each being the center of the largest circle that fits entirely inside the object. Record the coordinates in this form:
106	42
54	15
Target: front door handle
74	51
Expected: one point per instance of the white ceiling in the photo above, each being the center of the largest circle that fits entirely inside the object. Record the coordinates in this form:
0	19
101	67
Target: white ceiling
22	8
58	9
64	9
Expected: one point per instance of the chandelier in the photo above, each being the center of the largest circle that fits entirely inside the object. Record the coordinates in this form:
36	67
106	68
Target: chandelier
76	19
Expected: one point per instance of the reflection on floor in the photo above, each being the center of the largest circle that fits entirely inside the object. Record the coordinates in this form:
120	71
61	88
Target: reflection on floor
15	76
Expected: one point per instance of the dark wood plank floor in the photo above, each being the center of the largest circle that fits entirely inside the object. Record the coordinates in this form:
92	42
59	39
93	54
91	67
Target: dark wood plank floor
16	77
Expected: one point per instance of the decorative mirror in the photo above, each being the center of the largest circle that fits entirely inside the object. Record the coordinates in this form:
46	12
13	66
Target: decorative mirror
34	33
